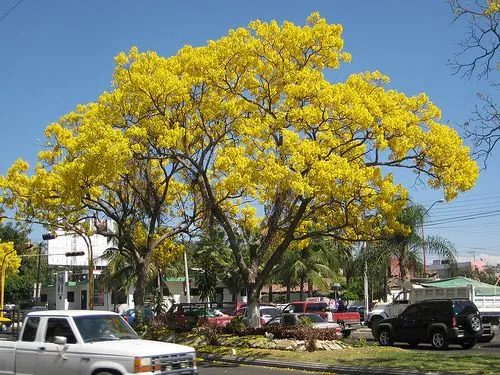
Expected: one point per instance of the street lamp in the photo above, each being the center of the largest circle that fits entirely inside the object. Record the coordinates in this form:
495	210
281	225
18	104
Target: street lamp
423	237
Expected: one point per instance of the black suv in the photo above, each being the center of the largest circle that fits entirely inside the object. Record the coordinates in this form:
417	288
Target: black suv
438	321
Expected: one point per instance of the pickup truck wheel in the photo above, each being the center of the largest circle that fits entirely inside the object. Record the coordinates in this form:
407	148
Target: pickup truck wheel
473	323
439	340
385	337
468	343
106	372
346	333
374	323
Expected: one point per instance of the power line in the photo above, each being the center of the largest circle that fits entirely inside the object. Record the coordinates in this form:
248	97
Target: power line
473	216
10	10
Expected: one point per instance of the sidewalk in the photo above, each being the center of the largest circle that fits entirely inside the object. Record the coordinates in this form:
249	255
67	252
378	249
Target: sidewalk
311	366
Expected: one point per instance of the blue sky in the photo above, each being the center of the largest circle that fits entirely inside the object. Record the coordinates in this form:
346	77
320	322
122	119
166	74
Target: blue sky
57	54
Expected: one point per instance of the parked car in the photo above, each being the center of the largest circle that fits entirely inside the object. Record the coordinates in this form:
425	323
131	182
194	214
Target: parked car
266	313
315	320
358	309
348	320
438	321
129	315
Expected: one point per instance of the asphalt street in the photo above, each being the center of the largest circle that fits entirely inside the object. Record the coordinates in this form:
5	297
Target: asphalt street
235	369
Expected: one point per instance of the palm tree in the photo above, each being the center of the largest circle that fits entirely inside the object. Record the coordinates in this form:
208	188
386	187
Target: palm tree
317	264
406	247
120	274
212	257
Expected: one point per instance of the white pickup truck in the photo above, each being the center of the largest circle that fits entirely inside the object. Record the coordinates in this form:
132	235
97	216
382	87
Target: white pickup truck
89	343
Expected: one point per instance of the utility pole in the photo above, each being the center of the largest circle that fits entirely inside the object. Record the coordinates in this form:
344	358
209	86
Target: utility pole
38	266
186	272
365	285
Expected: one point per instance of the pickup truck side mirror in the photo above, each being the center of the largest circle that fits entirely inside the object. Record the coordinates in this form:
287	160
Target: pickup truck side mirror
60	340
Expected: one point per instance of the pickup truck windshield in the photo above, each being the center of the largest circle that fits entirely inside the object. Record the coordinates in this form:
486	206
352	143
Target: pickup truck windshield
103	328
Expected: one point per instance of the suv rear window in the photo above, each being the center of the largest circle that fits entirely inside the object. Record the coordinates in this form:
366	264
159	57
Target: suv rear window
464	307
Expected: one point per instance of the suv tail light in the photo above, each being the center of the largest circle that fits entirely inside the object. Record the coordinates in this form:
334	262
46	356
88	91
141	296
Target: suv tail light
454	322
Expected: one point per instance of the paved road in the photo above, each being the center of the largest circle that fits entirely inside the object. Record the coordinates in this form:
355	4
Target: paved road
492	347
218	368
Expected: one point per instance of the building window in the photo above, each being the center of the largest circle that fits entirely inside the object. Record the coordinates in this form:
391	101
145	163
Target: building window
43	297
71	296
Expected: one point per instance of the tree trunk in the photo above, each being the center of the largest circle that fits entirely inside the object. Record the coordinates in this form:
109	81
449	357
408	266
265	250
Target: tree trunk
270	293
310	287
140	288
301	288
403	265
386	281
253	305
91	284
288	292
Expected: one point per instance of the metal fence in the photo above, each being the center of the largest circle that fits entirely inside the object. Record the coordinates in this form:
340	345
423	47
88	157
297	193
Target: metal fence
11	324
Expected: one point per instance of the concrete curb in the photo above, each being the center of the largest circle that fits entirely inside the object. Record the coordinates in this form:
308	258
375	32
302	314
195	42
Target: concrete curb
318	367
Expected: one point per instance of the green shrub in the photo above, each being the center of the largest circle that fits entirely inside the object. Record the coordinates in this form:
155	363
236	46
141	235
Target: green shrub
211	333
236	326
359	342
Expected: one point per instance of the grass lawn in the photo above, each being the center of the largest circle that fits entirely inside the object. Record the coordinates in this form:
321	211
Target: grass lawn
372	356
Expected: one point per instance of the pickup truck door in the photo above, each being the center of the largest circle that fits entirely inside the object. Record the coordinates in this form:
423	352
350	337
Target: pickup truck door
56	359
26	347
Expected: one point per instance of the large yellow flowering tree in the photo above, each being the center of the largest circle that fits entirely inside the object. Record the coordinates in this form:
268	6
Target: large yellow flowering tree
248	132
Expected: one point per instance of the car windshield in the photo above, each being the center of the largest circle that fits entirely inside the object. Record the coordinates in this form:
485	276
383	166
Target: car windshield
103	328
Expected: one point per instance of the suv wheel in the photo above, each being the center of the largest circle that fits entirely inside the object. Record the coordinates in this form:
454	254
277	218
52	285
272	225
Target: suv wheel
439	340
468	343
374	323
385	337
473	323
